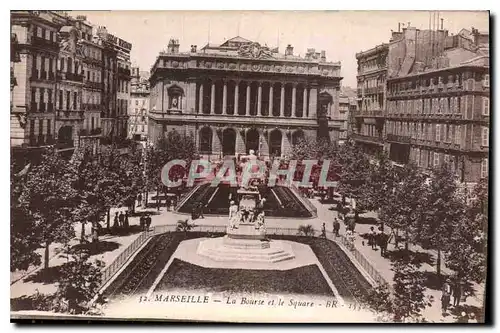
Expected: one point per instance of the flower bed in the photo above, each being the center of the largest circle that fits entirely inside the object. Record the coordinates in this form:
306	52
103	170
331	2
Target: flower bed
141	273
184	275
349	282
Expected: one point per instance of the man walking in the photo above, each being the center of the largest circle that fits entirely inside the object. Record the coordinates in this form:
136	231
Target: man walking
115	221
336	227
445	296
457	293
121	219
125	220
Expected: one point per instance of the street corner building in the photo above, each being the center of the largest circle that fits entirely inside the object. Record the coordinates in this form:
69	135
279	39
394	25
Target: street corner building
69	82
241	95
425	97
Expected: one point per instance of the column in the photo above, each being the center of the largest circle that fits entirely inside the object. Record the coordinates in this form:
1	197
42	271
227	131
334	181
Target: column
236	96
200	100
304	103
282	101
294	100
166	101
313	101
270	113
191	97
212	99
259	100
247	107
224	98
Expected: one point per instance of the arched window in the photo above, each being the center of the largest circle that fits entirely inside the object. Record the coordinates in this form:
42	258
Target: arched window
175	95
206	140
275	140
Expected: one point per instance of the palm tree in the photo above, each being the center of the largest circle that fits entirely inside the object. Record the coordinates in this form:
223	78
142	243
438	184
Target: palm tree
306	230
184	226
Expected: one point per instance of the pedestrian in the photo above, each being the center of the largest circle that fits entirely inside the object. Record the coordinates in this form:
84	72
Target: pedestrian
457	293
200	211
336	227
383	240
472	318
323	231
121	219
115	221
125	220
373	238
142	222
139	199
445	296
194	213
148	221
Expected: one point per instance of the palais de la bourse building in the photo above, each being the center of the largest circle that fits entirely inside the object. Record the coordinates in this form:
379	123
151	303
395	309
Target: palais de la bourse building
240	95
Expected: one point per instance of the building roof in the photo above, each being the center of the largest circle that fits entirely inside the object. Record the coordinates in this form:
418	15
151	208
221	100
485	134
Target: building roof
236	39
459	55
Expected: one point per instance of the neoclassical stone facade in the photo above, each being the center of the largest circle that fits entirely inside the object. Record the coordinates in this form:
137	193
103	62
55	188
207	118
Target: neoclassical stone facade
240	96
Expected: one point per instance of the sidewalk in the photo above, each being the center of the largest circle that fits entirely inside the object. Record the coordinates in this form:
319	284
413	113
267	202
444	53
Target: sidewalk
114	243
384	266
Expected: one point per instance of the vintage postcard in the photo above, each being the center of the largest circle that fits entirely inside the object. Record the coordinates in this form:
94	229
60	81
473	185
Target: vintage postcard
250	166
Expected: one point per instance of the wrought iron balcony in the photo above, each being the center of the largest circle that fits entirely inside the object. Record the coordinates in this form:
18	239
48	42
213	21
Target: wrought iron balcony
44	43
398	138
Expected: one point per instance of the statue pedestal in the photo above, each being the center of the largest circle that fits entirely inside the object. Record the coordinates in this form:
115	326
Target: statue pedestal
246	231
239	249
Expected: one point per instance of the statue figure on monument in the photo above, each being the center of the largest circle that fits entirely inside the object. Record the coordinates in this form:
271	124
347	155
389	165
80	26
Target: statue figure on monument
233	215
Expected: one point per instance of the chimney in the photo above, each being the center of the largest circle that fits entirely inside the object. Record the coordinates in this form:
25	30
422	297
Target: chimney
399	27
323	56
193	48
289	50
173	46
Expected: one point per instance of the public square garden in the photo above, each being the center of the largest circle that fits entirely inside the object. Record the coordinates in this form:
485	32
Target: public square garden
109	230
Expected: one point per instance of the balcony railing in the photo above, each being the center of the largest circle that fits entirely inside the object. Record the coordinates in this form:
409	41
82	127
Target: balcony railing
398	138
44	43
369	113
367	138
95	85
70	77
41	140
124	71
70	115
91	107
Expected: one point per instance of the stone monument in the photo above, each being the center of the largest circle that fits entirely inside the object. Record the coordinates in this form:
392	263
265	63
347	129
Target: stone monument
245	238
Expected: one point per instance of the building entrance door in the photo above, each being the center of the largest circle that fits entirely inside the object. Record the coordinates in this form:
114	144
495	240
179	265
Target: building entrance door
229	142
252	140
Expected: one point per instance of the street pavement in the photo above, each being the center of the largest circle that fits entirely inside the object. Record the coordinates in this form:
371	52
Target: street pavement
325	215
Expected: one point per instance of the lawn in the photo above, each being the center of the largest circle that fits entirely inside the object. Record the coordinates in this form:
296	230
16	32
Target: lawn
141	273
306	280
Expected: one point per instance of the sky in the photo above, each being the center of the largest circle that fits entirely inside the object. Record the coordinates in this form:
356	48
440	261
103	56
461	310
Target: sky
340	33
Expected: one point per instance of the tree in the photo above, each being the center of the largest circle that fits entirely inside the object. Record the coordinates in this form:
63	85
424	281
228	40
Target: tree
444	209
48	198
466	254
167	148
306	230
403	204
311	149
79	283
383	179
354	175
409	291
184	226
25	236
134	182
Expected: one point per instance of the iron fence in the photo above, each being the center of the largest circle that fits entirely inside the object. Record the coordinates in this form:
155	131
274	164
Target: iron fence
118	263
